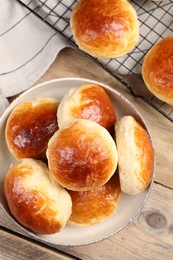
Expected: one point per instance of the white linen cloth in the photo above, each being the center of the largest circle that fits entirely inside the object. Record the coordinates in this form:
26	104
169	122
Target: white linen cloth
27	48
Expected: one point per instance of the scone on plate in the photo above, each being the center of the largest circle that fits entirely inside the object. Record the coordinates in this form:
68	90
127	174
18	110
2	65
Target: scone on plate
88	101
136	155
93	206
82	155
35	200
30	126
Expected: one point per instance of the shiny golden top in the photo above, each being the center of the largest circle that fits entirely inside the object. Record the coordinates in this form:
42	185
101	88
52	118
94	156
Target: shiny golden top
82	155
88	101
157	70
107	29
96	106
30	126
90	207
35	201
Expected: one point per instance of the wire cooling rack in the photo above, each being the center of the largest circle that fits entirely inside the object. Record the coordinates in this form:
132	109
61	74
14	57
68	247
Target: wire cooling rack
156	22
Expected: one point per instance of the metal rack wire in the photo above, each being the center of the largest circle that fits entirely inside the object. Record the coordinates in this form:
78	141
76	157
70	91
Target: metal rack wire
156	22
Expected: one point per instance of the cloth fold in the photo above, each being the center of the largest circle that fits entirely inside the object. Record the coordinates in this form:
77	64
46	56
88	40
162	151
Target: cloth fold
3	104
28	46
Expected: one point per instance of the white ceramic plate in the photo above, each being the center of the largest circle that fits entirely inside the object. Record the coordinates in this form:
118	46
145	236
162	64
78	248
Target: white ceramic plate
128	205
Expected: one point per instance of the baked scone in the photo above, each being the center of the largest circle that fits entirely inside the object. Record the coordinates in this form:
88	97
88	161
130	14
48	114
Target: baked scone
136	155
30	126
36	201
82	155
88	101
93	206
105	29
157	70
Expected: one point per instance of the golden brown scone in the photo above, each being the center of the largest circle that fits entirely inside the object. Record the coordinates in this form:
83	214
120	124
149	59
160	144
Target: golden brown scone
105	29
136	155
82	155
88	101
36	201
157	70
30	126
93	206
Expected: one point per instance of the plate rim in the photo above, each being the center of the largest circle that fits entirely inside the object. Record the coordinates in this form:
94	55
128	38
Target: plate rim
112	90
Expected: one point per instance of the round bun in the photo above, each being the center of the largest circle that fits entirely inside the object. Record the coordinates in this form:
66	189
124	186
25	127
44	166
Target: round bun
157	70
36	201
88	102
93	206
105	29
82	155
30	126
136	155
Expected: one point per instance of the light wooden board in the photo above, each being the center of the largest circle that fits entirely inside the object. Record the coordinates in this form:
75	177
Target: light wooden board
150	235
14	247
141	239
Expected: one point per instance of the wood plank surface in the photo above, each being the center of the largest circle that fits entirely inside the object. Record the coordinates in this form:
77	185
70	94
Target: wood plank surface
15	247
150	235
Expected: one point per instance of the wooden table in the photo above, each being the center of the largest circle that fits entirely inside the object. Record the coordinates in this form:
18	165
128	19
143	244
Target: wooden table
150	235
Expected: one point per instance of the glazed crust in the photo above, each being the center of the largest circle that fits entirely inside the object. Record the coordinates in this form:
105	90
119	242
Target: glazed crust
34	200
82	155
88	101
105	29
93	206
30	126
157	70
136	155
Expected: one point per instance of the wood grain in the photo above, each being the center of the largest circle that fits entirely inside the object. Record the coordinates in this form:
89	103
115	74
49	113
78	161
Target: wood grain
14	247
150	235
141	239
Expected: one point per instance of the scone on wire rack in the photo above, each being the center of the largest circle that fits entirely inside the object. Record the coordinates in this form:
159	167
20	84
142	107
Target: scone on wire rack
105	29
157	70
